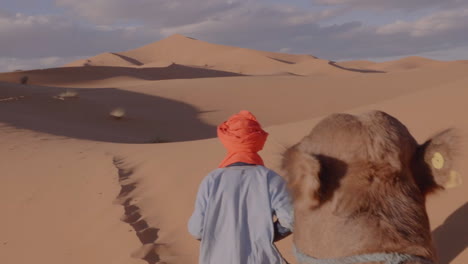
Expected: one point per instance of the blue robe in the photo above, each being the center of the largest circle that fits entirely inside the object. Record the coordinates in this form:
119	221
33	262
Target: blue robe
233	215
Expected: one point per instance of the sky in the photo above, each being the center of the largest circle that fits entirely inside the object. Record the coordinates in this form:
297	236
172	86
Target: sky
50	33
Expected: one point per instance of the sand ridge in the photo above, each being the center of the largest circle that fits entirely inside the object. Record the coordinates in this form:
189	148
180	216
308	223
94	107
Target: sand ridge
404	64
192	52
106	59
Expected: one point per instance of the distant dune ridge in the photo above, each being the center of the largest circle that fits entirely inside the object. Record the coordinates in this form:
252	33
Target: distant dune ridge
155	60
106	59
101	163
191	52
408	63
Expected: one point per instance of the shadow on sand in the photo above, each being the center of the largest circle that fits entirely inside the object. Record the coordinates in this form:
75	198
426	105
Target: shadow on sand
131	60
75	75
147	235
332	63
148	119
451	238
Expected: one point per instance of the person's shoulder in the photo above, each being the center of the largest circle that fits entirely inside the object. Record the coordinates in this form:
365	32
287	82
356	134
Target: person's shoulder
266	169
214	173
269	172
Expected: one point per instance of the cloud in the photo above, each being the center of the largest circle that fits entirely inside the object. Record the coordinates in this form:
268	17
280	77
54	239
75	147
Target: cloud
33	36
434	24
413	5
30	41
262	27
179	13
441	31
267	26
155	12
275	28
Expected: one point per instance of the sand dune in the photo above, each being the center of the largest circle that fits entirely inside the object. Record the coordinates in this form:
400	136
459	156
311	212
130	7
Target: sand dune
189	109
180	57
172	219
191	52
293	98
188	51
79	186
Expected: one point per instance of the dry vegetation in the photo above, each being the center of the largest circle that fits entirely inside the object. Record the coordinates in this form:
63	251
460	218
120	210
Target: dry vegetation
24	80
117	113
68	94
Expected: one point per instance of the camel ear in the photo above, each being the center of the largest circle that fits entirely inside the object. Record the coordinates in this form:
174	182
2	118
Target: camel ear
438	156
302	175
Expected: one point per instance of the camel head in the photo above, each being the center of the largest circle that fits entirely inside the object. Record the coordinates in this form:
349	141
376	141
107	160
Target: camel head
348	153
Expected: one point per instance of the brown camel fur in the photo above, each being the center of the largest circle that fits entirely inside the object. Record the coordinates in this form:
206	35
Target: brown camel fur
359	185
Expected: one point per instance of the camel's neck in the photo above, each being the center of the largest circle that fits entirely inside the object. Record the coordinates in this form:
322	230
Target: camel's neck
326	235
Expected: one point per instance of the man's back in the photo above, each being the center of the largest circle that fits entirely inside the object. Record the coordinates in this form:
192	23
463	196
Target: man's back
233	215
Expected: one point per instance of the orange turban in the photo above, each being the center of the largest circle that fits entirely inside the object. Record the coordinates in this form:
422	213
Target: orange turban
243	137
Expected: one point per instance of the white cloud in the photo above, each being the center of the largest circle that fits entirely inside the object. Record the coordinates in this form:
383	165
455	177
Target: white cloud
271	29
434	24
21	21
160	12
262	25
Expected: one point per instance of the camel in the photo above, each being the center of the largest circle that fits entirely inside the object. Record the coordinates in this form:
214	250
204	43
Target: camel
359	185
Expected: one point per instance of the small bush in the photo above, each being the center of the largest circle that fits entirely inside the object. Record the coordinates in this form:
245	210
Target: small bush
24	80
117	113
68	94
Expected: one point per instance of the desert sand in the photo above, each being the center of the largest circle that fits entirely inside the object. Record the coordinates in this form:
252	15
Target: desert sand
81	186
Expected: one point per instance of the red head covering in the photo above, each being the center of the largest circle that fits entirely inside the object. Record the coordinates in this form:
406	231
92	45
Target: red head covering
243	137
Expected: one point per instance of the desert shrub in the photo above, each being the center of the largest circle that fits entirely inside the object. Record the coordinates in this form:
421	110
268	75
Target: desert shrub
68	94
117	113
24	79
